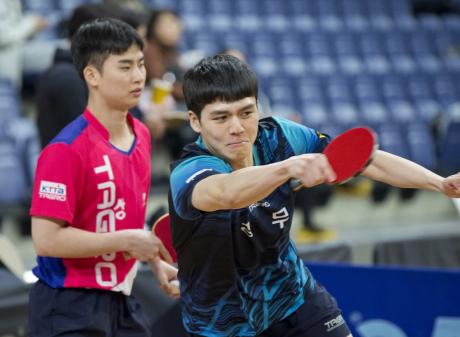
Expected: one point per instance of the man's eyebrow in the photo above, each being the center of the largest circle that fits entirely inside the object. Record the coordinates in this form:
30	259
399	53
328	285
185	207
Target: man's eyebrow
248	106
226	111
219	112
130	61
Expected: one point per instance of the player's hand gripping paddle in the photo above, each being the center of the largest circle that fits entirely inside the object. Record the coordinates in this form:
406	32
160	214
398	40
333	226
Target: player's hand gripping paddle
348	154
162	230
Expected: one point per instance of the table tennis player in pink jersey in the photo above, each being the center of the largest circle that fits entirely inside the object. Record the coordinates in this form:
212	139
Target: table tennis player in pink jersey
89	200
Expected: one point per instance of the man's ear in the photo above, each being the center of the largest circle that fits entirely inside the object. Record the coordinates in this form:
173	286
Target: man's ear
91	76
194	121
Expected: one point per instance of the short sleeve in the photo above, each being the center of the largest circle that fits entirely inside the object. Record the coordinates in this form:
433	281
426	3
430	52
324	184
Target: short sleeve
301	138
186	175
56	179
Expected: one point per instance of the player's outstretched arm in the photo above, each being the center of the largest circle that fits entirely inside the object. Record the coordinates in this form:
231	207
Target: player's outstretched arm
245	186
400	172
52	237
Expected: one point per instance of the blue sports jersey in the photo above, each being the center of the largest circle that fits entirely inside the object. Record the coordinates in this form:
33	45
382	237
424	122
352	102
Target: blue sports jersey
238	269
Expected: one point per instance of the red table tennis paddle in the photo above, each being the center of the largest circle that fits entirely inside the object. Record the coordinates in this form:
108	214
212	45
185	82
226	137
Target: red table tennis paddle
348	154
162	230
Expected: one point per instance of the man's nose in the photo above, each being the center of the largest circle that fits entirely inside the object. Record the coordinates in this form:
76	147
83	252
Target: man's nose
235	125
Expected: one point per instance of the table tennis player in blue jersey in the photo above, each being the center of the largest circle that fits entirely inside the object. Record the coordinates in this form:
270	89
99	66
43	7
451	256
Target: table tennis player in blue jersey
231	210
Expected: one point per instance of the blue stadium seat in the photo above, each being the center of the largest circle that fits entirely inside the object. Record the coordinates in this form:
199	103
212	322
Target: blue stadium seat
420	43
428	62
323	64
262	44
280	91
247	7
171	4
24	133
192	22
392	139
421	145
39	6
219	7
353	8
395	43
338	88
278	23
403	64
373	111
289	44
264	66
344	43
235	40
9	107
249	23
220	22
370	43
421	93
393	87
350	64
449	160
310	90
430	22
195	7
402	110
302	7
400	8
294	66
13	187
67	6
452	23
316	114
445	89
317	43
366	87
344	113
206	43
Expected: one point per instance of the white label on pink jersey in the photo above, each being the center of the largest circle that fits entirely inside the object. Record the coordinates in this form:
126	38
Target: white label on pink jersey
52	191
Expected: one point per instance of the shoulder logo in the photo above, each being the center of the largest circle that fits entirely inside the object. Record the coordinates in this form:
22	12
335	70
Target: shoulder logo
193	176
52	191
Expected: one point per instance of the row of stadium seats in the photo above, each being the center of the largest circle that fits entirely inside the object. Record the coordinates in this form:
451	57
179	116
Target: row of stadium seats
19	148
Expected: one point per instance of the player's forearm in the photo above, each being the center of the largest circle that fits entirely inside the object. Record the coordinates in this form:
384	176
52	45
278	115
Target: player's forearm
240	188
70	242
401	172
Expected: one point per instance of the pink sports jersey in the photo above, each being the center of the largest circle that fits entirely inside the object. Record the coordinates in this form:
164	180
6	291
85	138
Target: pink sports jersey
83	179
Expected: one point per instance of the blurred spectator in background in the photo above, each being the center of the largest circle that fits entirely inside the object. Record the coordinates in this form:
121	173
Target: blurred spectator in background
306	198
61	93
165	114
15	28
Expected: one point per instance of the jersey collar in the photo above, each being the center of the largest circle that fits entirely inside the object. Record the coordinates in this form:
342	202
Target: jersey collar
100	128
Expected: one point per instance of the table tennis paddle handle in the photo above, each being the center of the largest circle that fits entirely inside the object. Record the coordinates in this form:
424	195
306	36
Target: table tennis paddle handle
295	184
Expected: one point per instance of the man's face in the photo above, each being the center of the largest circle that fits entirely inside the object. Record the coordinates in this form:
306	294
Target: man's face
122	79
229	130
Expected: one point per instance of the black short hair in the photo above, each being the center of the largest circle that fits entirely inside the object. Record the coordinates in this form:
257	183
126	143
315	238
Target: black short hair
218	78
95	41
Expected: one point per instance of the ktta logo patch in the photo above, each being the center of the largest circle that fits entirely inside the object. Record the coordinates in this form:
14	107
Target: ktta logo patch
52	191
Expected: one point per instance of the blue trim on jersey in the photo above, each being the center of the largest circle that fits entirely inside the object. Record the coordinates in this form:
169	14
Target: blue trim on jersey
186	175
71	131
51	270
301	138
133	146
